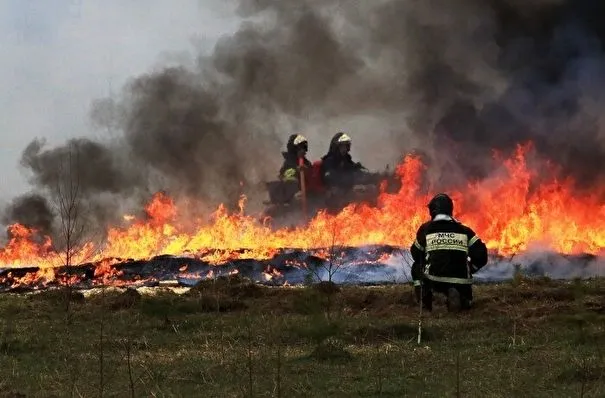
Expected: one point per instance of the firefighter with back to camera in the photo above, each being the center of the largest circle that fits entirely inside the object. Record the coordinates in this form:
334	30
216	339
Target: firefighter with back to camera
441	253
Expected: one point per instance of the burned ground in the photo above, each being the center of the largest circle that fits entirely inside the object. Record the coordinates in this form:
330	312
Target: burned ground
225	338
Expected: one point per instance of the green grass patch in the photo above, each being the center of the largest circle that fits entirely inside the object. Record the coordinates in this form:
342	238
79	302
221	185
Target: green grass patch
229	338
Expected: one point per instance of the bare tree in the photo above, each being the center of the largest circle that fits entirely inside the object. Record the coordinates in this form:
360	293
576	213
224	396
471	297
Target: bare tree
73	241
68	202
333	265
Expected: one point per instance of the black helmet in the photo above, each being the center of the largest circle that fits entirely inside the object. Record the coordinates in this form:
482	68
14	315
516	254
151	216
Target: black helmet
441	204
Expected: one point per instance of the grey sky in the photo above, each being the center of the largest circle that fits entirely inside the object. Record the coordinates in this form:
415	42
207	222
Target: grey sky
59	55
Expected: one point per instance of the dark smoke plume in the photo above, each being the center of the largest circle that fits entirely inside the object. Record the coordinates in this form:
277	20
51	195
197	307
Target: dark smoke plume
96	167
31	210
551	56
451	78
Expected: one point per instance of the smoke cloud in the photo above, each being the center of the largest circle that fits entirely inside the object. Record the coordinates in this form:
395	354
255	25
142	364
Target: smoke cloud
453	79
31	210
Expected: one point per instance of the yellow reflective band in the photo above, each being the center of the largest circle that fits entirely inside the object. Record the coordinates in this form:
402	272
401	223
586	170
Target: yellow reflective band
418	245
446	247
473	240
446	241
417	283
289	175
459	281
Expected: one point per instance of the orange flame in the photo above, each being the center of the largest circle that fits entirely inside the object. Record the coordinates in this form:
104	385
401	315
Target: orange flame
40	278
508	213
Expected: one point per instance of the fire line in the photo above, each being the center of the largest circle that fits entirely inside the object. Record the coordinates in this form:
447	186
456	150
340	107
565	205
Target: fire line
514	211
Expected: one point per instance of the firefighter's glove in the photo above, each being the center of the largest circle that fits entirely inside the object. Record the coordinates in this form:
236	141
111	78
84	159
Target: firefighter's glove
473	269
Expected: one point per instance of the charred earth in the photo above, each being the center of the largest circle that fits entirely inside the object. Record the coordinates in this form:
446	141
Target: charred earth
370	265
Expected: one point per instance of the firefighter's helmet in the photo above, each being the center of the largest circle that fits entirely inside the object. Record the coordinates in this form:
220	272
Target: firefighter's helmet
297	142
441	204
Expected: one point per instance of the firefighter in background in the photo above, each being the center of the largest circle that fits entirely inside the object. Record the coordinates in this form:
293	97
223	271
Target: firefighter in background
338	171
289	172
441	253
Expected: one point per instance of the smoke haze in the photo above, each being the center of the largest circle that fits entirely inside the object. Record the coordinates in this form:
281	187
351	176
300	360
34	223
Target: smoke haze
453	79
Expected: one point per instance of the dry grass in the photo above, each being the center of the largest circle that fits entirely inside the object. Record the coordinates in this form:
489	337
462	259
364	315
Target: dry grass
223	339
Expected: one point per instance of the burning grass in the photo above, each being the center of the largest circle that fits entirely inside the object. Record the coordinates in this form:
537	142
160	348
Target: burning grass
228	337
542	212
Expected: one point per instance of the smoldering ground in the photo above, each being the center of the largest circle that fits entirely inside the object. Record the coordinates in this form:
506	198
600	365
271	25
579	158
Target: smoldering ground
453	79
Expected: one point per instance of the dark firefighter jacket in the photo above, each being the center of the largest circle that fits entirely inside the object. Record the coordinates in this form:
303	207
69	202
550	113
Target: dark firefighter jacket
337	169
441	249
289	170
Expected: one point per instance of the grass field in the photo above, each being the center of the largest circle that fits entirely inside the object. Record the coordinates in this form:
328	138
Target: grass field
525	338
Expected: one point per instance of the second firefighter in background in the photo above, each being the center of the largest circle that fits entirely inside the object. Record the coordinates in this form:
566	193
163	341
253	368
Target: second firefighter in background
296	148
